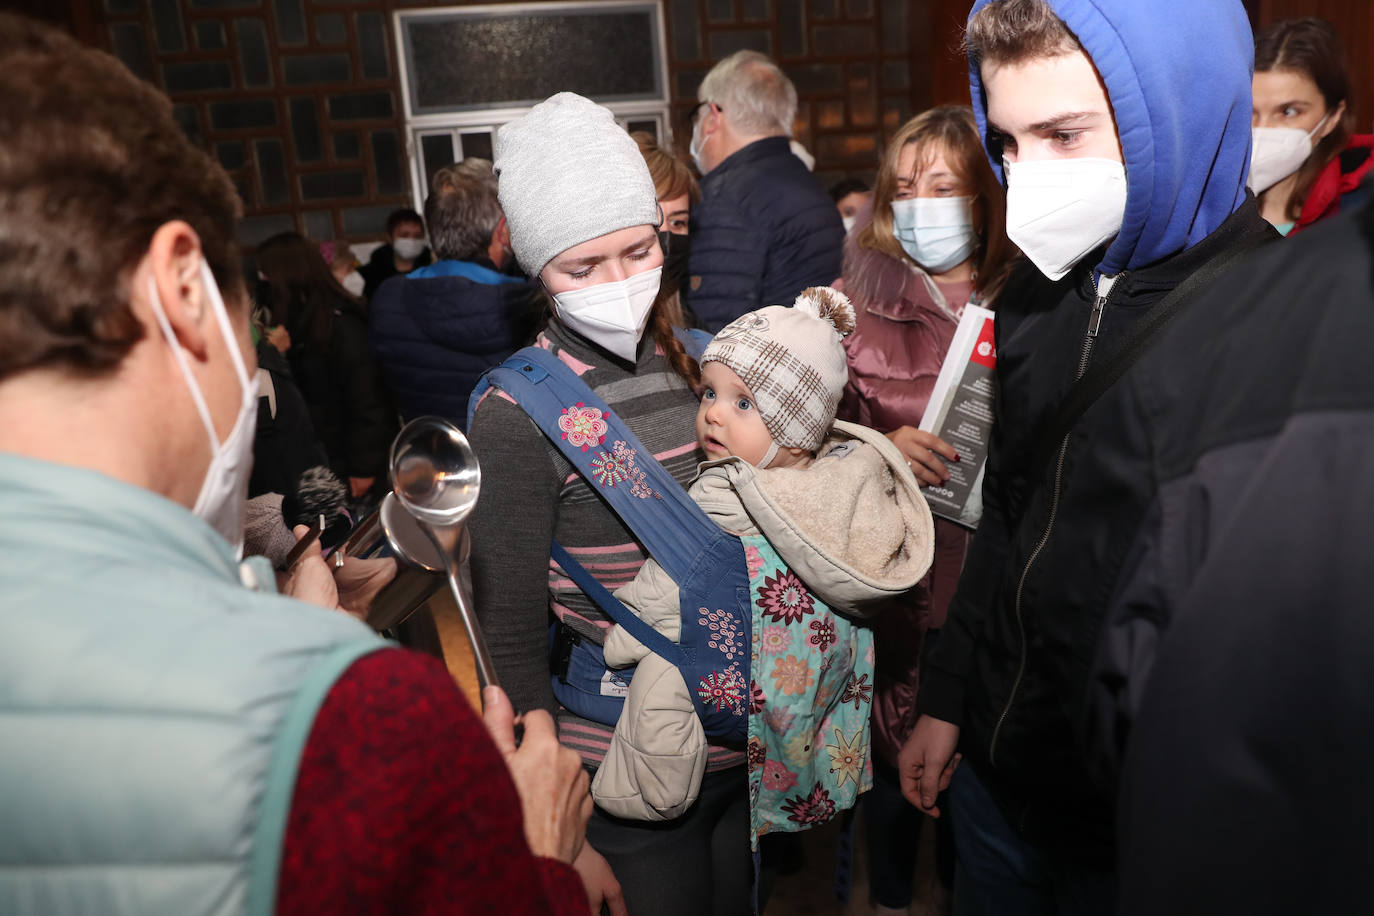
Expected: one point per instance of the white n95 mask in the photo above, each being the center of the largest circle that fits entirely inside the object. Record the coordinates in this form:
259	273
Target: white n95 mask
1277	152
937	232
612	315
1058	210
224	491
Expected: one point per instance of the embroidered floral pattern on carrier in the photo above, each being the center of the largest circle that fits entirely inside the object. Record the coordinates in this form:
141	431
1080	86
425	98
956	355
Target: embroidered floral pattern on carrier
809	702
619	465
583	426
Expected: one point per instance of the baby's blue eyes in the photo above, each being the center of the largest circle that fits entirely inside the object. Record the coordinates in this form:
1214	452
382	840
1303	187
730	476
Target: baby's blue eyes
709	394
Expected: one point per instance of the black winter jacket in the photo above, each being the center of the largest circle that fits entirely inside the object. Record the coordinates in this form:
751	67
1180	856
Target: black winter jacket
435	336
342	385
1247	786
1015	661
284	446
764	231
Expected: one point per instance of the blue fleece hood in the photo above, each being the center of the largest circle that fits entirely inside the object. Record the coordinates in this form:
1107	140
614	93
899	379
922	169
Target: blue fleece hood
1178	75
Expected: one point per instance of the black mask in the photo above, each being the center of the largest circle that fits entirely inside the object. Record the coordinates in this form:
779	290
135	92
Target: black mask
675	250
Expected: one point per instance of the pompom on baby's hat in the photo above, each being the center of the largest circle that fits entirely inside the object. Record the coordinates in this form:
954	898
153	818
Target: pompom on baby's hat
566	174
794	362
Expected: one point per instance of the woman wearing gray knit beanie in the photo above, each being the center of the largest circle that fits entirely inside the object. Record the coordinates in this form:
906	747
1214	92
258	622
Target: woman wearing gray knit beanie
583	216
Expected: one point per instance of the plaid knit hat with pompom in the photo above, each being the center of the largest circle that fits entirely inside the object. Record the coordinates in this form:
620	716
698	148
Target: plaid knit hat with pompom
793	360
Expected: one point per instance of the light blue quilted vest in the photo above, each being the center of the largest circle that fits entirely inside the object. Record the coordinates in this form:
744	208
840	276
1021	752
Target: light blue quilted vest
153	709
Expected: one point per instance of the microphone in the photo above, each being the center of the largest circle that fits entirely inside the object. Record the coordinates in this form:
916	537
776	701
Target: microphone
319	492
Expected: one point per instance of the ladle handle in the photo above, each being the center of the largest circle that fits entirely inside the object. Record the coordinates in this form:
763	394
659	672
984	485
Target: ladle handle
486	670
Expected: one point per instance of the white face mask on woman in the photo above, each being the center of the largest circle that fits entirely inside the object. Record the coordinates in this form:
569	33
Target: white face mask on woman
224	491
1058	210
612	315
1277	152
937	232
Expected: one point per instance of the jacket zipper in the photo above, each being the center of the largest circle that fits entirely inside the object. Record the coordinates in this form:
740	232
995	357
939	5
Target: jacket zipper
1105	285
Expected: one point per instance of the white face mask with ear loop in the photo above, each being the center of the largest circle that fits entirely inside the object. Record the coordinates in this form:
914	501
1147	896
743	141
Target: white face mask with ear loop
223	493
1277	152
612	315
1058	210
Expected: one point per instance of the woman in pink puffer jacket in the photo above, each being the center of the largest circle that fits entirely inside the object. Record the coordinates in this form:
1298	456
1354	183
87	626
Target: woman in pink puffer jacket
933	241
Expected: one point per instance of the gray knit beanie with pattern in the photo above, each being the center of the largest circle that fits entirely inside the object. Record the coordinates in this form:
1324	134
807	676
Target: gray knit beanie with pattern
794	362
567	174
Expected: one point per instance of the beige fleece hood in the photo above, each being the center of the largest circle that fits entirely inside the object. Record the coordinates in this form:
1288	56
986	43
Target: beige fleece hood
852	524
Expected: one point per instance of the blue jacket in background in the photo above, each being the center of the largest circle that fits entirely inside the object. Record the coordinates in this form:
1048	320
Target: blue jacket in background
1181	98
764	231
437	329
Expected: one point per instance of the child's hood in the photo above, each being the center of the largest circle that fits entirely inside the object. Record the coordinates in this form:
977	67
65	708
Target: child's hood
853	524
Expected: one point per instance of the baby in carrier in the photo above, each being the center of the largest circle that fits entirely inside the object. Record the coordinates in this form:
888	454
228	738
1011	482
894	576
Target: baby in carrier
833	524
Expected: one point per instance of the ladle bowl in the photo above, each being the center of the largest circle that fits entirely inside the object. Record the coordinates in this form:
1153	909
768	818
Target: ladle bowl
436	478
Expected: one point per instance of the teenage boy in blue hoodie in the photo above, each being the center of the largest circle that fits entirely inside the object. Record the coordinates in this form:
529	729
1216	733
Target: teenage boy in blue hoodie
1122	131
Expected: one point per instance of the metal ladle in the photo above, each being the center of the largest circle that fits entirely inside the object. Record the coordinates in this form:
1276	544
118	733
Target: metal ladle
436	478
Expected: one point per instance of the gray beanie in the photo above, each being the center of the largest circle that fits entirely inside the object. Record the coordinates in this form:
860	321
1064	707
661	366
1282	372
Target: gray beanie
567	174
793	360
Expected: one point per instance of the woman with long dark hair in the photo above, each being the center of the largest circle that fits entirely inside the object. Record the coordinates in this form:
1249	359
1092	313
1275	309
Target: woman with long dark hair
329	358
1307	162
933	241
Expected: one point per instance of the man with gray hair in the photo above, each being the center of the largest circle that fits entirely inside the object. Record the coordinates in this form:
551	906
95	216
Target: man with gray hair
765	228
437	329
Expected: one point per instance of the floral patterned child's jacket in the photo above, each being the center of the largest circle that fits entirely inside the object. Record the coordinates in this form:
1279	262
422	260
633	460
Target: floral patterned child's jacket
811	694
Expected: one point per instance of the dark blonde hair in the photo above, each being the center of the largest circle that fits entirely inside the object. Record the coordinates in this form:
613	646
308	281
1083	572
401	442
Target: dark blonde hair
672	178
948	129
1310	46
92	163
1013	31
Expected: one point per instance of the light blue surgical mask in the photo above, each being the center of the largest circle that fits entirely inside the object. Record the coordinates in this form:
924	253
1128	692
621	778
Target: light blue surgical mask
935	232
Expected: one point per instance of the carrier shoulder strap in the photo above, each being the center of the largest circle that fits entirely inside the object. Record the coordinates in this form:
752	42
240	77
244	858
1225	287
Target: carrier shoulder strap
651	503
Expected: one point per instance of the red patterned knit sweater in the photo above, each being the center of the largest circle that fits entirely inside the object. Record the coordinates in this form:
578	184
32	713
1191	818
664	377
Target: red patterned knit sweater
403	805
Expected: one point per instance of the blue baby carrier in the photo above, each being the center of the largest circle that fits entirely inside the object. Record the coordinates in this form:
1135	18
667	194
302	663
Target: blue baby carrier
707	564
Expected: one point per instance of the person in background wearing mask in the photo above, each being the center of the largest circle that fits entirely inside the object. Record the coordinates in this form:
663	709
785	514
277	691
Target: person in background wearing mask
1307	162
178	737
583	214
933	241
765	229
850	197
343	264
404	250
678	193
1120	131
437	329
339	378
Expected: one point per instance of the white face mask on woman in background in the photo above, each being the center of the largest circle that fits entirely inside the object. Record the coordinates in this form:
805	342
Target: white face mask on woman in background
1059	210
612	315
936	232
354	283
1277	152
224	491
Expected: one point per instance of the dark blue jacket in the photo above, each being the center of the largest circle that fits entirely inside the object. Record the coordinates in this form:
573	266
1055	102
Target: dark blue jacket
764	231
436	330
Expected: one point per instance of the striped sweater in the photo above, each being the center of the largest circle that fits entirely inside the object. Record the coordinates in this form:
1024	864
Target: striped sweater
531	494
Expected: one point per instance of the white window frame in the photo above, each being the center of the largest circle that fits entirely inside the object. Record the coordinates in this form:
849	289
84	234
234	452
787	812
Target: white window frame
455	123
